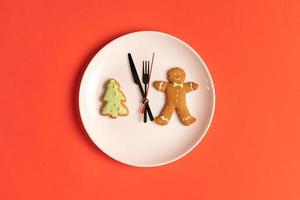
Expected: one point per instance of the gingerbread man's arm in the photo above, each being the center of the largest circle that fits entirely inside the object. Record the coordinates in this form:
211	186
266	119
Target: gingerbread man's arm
160	85
190	86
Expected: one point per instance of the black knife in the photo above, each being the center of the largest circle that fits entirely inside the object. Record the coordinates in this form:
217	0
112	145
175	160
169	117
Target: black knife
138	82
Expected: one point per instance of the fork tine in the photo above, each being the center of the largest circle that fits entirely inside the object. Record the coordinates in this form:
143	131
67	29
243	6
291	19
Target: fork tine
148	67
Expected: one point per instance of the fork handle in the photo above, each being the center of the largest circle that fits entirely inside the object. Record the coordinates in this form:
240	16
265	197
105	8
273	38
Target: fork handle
145	113
148	108
149	112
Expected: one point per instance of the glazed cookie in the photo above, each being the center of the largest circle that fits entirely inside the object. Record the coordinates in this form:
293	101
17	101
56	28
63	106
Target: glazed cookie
114	100
175	91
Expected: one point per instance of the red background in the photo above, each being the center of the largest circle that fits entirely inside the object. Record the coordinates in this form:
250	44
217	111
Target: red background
251	151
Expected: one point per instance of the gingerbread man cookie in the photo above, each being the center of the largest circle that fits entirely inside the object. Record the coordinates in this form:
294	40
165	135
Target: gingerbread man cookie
175	91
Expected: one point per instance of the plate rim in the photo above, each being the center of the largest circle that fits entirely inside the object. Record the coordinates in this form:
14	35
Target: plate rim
84	79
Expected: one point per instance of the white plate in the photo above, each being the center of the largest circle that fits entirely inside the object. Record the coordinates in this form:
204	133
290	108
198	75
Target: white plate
128	139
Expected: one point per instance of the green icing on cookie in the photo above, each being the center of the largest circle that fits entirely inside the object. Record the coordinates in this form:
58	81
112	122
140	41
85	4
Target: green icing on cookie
114	98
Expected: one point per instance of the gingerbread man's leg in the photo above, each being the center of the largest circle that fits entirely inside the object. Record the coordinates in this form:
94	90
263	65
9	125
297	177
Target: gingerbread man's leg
185	117
165	114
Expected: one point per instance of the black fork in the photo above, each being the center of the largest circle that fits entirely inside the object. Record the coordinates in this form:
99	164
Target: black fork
146	78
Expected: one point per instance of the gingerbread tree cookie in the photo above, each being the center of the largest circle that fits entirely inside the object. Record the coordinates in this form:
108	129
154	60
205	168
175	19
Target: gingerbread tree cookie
114	100
175	91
